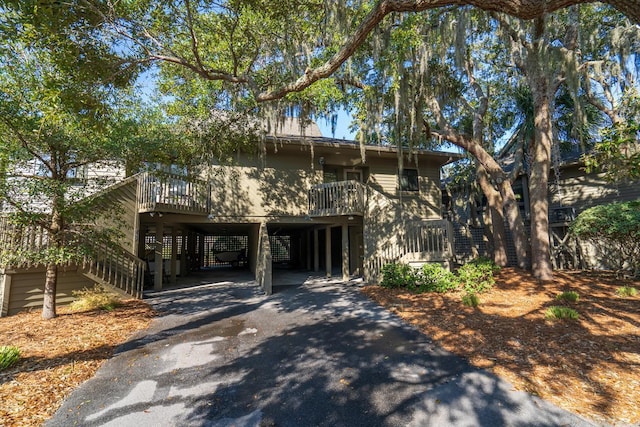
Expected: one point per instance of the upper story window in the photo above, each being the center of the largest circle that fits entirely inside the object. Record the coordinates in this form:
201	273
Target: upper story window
409	180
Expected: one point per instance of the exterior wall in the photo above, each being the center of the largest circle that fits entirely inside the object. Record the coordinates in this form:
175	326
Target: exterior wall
26	288
121	213
277	186
581	191
424	204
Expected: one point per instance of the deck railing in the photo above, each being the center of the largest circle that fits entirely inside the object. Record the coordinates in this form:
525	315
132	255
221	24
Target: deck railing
172	193
115	266
419	241
106	264
336	198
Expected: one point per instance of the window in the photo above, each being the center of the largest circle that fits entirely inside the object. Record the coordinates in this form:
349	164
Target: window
409	180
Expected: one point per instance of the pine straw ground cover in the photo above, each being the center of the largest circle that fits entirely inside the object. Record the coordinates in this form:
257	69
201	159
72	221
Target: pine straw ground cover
58	355
589	366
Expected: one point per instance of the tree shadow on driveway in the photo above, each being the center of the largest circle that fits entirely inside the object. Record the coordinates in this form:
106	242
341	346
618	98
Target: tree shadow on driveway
316	355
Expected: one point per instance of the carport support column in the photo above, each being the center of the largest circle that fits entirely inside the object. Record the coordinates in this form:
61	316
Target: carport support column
316	250
174	253
264	275
327	250
157	274
345	252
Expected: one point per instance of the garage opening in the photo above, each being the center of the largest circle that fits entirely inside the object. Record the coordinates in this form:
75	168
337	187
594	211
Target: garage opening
225	250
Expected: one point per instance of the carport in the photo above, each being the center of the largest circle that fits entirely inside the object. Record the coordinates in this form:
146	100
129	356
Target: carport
183	244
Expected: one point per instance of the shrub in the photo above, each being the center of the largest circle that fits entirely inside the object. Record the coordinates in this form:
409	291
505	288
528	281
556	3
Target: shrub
559	312
435	278
614	229
9	355
485	262
569	296
98	297
399	275
627	291
470	300
477	276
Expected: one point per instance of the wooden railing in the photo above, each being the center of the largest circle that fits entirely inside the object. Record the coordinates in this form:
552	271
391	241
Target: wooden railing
336	198
102	263
172	193
419	242
115	266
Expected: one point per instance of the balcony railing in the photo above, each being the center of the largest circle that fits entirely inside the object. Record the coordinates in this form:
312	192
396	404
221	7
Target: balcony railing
172	193
336	198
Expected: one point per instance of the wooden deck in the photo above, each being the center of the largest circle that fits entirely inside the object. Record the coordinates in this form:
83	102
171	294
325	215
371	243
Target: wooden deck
336	198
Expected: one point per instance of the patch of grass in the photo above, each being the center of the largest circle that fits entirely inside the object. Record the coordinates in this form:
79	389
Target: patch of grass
559	312
627	291
568	296
9	355
98	297
470	300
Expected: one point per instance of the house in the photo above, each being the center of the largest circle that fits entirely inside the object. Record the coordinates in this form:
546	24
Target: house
303	202
571	191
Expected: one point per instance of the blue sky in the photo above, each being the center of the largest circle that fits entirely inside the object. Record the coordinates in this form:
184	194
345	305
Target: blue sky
342	127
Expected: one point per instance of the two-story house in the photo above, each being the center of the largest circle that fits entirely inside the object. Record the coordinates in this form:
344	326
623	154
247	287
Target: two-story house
302	202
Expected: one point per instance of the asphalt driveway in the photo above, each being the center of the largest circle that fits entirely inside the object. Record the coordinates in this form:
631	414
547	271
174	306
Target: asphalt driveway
318	354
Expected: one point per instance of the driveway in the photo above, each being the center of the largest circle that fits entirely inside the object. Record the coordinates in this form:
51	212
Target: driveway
318	354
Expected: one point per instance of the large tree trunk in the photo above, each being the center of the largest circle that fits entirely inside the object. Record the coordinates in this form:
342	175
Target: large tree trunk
538	190
516	224
496	215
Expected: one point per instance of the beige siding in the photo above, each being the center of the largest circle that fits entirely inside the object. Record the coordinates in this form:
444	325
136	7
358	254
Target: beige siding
424	204
253	188
120	212
27	288
581	191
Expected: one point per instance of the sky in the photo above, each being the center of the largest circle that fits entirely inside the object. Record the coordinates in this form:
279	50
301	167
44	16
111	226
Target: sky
342	126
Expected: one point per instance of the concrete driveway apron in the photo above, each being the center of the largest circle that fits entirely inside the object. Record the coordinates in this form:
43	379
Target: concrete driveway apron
320	354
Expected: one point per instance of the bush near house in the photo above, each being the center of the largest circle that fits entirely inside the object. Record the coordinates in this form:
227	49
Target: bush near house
399	275
474	277
477	275
614	229
435	278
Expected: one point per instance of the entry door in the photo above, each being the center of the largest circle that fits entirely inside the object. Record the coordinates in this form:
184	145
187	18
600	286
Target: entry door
353	175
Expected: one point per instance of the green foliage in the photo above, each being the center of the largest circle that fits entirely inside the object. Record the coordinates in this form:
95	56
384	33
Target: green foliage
470	300
618	151
98	297
9	355
559	312
477	275
568	296
399	275
627	291
436	278
615	231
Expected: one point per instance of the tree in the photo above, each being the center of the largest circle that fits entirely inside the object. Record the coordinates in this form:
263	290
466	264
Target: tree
56	111
239	46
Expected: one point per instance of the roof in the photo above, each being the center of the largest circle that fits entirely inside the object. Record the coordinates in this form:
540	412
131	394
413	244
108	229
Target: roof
326	144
